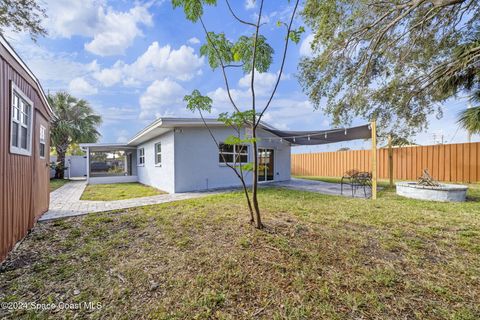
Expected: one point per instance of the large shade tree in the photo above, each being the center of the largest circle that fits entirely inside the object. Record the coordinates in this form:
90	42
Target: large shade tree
395	61
252	54
75	122
22	15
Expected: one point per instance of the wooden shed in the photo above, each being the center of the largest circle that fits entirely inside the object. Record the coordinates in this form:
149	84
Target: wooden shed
25	117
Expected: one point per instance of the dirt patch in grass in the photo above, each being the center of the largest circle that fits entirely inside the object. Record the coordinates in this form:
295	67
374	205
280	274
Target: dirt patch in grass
320	257
118	191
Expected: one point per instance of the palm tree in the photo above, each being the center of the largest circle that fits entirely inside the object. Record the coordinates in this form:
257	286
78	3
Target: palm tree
469	119
75	122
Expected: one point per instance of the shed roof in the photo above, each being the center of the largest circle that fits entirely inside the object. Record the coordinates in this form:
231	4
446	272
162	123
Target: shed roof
17	58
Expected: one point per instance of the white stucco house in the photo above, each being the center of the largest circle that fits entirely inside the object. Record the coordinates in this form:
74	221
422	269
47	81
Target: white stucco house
179	155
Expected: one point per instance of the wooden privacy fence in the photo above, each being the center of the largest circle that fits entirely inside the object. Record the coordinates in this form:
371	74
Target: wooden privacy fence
447	162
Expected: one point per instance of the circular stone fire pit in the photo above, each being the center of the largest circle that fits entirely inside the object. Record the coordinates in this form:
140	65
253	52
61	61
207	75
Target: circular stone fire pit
443	192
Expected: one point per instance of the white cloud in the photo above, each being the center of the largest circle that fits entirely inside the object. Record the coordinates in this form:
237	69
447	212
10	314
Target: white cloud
155	63
306	46
79	86
162	97
117	30
73	17
111	31
264	82
249	4
109	77
193	40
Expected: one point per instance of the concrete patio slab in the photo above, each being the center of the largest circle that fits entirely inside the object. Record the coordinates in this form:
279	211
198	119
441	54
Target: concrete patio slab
321	187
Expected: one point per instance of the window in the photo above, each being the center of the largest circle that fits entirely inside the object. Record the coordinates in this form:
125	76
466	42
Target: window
42	142
158	154
141	156
21	123
232	153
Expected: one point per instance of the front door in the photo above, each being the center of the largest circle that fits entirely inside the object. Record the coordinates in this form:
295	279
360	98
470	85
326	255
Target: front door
265	162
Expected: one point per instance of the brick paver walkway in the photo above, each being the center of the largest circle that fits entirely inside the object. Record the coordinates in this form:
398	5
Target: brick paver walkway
65	201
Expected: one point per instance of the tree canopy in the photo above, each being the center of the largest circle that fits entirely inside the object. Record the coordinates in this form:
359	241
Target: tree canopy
395	61
25	15
75	122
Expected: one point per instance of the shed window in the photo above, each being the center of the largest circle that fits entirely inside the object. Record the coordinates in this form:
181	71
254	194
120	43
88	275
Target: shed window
141	156
232	153
158	154
21	123
42	142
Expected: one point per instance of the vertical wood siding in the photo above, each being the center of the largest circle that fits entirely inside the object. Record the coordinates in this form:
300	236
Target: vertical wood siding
17	172
448	162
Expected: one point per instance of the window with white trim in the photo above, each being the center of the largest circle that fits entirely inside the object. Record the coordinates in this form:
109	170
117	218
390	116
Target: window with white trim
20	123
141	156
158	154
233	153
42	142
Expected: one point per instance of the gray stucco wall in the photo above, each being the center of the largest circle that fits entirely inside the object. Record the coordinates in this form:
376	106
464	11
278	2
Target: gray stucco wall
160	177
197	164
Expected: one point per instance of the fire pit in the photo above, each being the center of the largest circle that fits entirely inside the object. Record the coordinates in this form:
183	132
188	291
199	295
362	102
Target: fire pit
428	189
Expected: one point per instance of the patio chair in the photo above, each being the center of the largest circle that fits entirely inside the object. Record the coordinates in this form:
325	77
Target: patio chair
348	178
362	179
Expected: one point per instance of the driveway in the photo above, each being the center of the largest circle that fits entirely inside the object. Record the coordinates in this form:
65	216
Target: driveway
321	187
65	201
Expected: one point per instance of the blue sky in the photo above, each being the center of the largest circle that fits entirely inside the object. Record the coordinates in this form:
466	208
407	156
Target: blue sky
134	61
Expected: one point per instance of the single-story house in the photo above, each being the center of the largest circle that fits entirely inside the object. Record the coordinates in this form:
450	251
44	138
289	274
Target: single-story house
25	117
179	155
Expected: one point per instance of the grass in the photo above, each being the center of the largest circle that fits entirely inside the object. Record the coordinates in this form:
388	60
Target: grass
57	183
320	257
118	191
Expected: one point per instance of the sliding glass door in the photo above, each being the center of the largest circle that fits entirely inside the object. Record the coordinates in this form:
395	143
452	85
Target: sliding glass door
265	162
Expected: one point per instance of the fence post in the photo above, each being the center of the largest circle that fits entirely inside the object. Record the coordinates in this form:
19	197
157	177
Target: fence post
374	159
390	160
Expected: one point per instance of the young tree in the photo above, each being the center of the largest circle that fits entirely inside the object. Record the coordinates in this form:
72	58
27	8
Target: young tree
252	54
75	122
390	60
25	15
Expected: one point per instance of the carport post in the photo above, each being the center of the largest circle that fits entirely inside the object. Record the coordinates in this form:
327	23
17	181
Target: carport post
374	159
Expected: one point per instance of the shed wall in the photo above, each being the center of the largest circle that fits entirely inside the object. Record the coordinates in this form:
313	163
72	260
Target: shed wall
19	204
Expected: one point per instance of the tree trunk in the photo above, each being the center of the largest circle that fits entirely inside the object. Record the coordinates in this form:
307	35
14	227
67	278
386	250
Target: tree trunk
250	209
258	222
60	168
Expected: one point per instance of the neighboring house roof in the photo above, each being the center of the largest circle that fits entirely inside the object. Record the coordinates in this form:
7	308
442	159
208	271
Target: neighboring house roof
17	58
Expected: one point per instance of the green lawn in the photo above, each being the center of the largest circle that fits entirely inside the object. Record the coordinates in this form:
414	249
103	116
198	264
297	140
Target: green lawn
118	191
320	257
57	183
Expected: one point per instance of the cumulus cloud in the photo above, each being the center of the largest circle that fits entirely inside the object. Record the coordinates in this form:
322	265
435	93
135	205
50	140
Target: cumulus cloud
193	40
155	63
117	30
306	46
111	31
264	82
80	86
162	97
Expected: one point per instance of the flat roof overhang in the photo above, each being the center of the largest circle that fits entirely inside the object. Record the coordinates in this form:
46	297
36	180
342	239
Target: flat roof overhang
106	147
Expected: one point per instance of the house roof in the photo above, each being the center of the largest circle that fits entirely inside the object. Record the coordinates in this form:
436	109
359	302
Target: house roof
165	124
17	58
